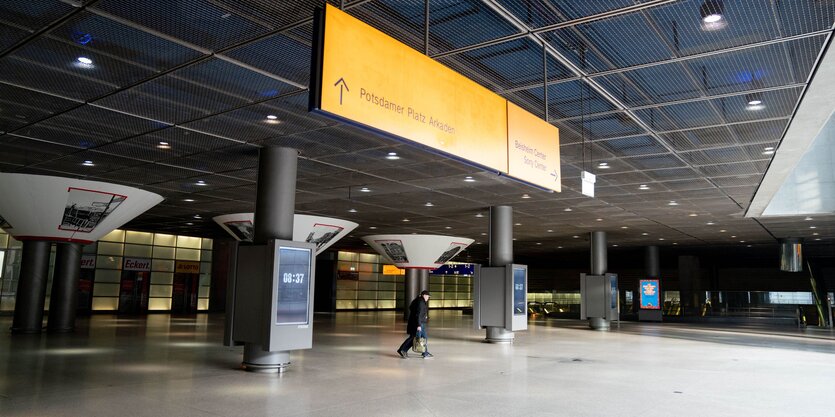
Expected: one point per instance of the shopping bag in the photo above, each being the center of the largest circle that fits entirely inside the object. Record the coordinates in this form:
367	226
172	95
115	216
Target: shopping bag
419	344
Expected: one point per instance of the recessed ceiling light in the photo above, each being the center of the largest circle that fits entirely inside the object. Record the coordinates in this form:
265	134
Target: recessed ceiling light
392	156
693	215
672	203
88	163
479	215
517	224
559	247
373	227
660	238
575	237
645	234
711	11
483	234
675	243
469	179
365	190
741	241
624	227
710	223
567	209
84	60
189	224
615	245
550	231
807	219
447	227
818	238
514	239
600	220
353	210
722	231
755	102
643	187
164	145
406	220
755	107
188	200
538	243
603	165
768	152
201	183
525	196
815	234
429	204
197	216
733	236
813	227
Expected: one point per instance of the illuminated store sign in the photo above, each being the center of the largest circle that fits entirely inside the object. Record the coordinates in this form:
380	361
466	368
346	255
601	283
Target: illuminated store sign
650	299
363	76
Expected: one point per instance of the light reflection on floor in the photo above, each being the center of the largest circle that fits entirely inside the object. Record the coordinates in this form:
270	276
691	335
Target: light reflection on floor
173	366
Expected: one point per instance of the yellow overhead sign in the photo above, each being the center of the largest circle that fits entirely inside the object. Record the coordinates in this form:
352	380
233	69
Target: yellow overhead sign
533	149
363	76
393	270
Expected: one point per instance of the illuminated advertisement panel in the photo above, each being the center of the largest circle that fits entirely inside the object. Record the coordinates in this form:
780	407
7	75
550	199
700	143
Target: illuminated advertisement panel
650	299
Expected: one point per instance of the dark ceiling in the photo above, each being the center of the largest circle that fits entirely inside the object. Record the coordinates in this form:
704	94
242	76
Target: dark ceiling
644	86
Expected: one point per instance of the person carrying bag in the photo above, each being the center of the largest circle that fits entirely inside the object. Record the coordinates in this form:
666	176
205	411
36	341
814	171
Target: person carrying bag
416	327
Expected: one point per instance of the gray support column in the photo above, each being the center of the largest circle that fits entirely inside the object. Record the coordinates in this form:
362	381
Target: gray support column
652	262
411	290
423	280
501	254
31	288
64	300
599	265
275	206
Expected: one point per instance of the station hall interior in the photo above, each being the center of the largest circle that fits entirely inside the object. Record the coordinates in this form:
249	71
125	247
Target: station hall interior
228	207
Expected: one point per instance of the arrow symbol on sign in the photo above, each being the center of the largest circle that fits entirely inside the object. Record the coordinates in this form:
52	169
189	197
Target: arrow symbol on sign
343	85
555	175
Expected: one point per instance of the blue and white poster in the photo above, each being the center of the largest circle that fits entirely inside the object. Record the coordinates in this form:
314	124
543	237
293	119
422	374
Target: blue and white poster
650	299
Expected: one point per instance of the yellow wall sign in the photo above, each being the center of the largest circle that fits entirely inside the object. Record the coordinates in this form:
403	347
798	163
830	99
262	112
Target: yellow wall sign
533	149
363	76
393	270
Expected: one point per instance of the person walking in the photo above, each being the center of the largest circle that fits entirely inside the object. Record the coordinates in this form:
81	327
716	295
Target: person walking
416	326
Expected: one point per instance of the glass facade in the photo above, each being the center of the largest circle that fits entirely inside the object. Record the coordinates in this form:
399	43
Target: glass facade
128	272
362	284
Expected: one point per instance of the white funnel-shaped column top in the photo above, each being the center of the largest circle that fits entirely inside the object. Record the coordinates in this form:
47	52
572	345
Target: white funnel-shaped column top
323	231
40	207
418	251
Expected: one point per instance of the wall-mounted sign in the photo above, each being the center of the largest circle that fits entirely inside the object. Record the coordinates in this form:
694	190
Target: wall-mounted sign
588	179
187	267
650	299
137	264
454	269
88	261
365	77
393	270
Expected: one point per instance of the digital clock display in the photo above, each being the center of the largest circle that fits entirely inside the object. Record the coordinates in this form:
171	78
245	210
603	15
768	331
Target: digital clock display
293	286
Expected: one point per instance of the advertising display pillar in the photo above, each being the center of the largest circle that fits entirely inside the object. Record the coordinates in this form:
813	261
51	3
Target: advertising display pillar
649	290
274	207
599	264
31	289
501	254
63	302
412	289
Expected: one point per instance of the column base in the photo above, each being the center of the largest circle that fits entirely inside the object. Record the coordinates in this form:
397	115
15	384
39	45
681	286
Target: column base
598	323
499	335
25	331
257	360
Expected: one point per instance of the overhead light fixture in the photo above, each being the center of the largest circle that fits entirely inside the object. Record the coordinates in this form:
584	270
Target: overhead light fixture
201	183
733	236
813	227
559	247
483	234
575	237
615	245
710	223
392	156
525	196
712	11
164	145
353	210
603	165
643	187
469	179
272	117
550	231
755	101
660	238
447	227
672	203
815	234
479	215
189	224
197	216
722	231
817	238
675	243
624	227
373	227
429	204
517	224
538	243
741	241
365	190
567	209
188	200
807	218
645	234
406	220
84	62
88	164
693	215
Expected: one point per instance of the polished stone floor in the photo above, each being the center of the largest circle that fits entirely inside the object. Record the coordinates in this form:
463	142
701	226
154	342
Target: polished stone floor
175	366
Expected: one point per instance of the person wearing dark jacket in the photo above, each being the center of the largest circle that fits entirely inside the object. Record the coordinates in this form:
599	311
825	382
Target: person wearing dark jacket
416	326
